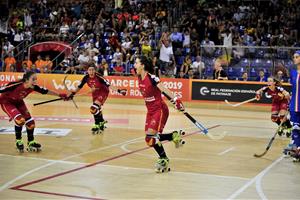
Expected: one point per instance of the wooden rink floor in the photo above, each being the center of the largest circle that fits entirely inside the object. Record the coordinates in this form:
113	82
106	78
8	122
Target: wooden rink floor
118	165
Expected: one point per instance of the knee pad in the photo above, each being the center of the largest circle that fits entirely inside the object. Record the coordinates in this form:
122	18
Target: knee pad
19	120
274	117
151	140
281	117
95	109
30	124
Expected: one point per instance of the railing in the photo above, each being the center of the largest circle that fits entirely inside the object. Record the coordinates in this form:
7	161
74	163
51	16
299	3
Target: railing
55	60
237	60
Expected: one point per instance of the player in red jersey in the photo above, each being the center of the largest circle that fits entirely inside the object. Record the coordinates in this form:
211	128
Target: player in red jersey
157	111
100	90
280	103
12	103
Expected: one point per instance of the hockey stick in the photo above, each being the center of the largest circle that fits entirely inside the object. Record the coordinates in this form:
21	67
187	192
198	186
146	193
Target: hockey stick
192	119
64	82
241	103
271	140
48	101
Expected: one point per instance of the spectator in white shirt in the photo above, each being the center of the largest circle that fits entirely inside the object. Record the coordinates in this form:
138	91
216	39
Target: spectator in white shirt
227	41
198	67
208	51
166	58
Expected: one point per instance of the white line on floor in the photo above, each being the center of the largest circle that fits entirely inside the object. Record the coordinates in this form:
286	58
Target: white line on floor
226	151
7	184
120	167
250	182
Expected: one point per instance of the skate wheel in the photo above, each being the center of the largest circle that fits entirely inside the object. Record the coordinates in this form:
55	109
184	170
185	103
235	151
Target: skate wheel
169	169
182	142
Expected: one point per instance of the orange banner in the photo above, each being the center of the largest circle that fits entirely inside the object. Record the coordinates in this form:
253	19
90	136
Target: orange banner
54	82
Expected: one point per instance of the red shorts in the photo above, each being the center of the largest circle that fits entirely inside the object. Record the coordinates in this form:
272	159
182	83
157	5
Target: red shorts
15	109
100	97
277	106
158	119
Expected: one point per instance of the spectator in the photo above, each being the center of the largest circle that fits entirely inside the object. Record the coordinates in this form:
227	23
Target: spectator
28	62
119	68
166	58
40	64
70	70
146	48
103	68
198	68
34	69
208	51
244	77
261	76
219	73
84	60
280	76
48	65
10	63
185	67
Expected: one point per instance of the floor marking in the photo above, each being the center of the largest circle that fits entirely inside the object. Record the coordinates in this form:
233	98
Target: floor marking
20	187
226	151
253	180
121	167
6	185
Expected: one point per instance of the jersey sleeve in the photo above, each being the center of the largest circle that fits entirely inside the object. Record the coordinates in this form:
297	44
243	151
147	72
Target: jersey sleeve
40	90
10	87
265	89
83	81
154	79
103	80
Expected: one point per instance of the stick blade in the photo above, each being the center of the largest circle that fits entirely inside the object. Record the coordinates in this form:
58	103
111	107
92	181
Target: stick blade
260	155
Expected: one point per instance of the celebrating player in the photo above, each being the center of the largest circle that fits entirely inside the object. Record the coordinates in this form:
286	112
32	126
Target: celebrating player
280	102
11	100
100	90
157	111
294	148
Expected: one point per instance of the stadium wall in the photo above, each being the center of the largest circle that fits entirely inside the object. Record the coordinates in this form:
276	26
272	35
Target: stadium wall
187	89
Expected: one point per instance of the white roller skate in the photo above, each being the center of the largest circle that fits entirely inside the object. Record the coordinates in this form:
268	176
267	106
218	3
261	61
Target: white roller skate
33	146
177	138
20	145
162	165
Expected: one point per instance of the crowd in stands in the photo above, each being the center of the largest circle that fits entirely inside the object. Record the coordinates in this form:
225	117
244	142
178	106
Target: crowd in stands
179	36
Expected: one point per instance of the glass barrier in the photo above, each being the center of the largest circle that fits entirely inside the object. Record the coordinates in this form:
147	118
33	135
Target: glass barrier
248	63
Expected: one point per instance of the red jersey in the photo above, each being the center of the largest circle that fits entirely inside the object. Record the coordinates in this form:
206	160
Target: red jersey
15	92
150	91
276	95
98	82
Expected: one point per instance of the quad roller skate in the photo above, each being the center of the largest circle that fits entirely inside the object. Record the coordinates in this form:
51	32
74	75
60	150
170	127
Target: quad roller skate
280	131
96	129
33	146
289	149
296	155
162	165
177	138
20	145
102	125
288	132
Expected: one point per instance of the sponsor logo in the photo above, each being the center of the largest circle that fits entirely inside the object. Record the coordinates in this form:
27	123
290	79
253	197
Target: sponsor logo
204	91
57	132
70	85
